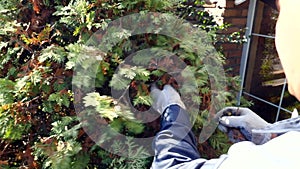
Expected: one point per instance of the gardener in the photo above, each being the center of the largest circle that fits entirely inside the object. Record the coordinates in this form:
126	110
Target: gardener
175	145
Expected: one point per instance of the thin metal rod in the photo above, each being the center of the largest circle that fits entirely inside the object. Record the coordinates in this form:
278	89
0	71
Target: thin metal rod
246	47
262	100
265	36
281	99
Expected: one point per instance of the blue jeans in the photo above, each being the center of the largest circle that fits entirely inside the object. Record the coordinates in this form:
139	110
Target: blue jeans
175	144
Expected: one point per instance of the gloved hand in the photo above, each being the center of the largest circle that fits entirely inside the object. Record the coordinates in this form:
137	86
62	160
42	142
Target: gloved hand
245	121
164	98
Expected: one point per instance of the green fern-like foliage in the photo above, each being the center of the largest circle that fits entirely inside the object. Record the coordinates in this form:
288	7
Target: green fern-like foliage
43	99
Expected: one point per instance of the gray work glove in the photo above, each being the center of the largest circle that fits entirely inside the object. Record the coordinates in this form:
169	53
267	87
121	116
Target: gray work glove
245	121
164	98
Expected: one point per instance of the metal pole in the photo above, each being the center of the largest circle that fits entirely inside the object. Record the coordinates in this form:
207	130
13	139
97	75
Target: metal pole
246	47
269	103
264	36
281	99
